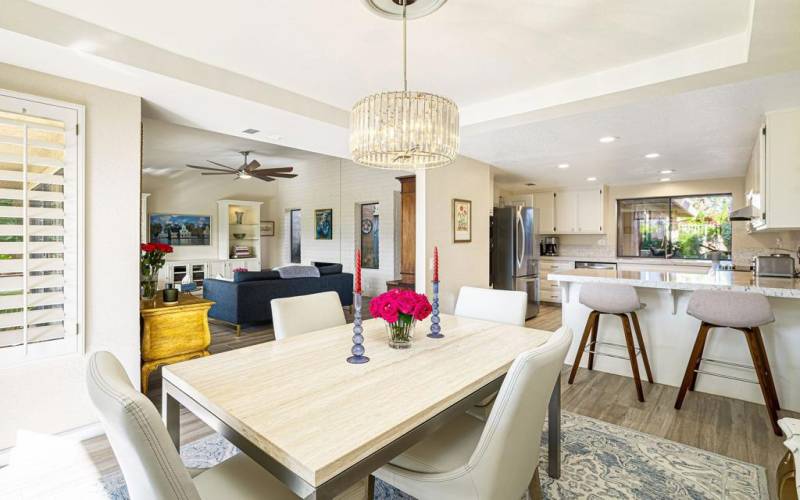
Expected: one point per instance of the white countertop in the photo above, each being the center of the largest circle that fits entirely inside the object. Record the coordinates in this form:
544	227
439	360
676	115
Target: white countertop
628	260
720	280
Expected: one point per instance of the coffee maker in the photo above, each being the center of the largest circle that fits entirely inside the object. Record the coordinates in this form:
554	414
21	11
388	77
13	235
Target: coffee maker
549	245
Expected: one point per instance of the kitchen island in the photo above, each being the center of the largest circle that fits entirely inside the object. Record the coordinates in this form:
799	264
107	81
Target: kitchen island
669	333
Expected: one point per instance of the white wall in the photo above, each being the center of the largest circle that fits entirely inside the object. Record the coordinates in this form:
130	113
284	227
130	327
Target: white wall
194	194
49	395
340	185
459	263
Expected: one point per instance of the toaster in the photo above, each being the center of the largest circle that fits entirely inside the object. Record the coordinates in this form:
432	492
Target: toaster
779	265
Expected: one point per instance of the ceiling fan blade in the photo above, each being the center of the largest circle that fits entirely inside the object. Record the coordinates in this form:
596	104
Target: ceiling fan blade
265	179
207	168
278	169
221	165
216	173
284	176
252	166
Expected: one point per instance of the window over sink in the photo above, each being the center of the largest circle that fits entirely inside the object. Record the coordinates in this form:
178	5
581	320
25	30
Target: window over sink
675	227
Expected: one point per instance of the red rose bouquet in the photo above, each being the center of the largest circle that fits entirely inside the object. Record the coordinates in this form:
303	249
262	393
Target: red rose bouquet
151	260
400	309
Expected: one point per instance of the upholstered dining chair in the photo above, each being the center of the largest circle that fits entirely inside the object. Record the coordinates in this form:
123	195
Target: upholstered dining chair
306	313
502	306
496	461
149	461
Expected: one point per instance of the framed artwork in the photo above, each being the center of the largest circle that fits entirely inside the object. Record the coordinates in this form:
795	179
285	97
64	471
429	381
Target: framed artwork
323	224
462	221
267	228
180	230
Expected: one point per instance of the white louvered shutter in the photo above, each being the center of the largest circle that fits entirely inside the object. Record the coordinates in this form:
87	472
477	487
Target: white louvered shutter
39	230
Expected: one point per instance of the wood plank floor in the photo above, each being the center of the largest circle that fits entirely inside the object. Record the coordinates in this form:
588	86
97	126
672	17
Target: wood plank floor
730	427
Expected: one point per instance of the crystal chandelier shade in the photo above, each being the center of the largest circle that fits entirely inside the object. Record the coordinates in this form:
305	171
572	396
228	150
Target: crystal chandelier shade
404	130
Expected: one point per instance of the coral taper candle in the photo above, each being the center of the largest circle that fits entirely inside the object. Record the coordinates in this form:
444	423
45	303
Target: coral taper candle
358	271
435	263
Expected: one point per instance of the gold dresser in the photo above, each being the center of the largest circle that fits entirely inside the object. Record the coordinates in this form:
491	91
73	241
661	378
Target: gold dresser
172	333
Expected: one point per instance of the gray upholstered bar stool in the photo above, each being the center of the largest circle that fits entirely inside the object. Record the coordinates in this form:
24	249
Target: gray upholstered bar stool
741	311
619	300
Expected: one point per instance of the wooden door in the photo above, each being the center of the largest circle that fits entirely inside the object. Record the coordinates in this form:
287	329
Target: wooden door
408	227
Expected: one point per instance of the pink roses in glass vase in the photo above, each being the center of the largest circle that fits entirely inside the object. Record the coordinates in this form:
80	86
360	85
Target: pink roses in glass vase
400	309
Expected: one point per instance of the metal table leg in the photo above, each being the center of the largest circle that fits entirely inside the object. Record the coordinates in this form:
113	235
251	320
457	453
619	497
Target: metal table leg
171	415
554	432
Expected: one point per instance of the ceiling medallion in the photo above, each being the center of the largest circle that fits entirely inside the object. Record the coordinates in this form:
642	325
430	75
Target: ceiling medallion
404	130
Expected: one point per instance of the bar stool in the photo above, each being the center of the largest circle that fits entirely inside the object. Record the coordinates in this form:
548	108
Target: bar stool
741	311
619	300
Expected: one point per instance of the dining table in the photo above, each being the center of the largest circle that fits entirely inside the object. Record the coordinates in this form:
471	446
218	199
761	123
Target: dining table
320	424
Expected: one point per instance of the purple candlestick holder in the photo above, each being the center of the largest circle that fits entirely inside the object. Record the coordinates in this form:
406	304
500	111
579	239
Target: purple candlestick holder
358	339
436	328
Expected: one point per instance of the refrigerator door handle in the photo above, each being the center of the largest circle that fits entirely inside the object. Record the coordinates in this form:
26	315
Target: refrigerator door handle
520	238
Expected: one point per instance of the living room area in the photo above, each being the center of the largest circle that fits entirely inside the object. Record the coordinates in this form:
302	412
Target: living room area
237	240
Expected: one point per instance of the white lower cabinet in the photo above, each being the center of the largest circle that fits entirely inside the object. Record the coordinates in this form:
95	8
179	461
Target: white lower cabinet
549	291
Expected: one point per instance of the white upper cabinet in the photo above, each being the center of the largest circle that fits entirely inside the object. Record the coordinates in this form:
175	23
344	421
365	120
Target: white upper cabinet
545	203
566	212
579	212
781	175
590	211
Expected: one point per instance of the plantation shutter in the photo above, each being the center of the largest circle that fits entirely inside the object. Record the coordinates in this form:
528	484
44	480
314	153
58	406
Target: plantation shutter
39	245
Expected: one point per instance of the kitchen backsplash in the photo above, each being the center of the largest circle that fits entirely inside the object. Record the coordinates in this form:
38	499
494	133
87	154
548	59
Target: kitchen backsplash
742	256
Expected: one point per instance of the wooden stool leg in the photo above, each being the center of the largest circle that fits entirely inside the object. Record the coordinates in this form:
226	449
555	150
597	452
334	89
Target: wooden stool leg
626	327
582	346
697	362
694	361
768	371
638	330
593	340
758	362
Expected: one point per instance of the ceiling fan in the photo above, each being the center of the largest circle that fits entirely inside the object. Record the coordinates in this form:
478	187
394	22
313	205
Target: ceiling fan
248	170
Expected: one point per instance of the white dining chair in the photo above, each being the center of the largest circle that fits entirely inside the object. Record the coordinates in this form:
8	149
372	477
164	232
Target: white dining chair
502	306
306	313
149	461
496	461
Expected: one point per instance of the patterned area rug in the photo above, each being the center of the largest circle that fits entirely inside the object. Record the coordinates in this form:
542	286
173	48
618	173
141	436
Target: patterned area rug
601	460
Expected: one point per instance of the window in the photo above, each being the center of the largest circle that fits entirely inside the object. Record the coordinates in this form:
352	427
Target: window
370	236
40	228
676	227
295	234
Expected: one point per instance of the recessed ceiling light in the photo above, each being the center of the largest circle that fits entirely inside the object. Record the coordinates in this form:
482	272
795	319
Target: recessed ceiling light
652	155
249	131
665	172
591	179
664	179
563	165
607	139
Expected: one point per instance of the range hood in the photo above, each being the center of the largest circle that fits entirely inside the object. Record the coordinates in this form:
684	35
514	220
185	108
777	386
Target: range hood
743	214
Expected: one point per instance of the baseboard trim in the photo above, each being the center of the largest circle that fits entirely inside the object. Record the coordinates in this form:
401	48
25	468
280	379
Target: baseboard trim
78	434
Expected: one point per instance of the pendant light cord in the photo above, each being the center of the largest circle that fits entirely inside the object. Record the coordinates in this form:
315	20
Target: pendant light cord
405	75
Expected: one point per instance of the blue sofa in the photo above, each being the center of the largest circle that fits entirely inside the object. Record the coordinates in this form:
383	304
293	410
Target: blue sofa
247	298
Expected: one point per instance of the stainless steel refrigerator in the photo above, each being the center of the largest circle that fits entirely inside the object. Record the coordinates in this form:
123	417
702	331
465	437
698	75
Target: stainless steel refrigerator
515	253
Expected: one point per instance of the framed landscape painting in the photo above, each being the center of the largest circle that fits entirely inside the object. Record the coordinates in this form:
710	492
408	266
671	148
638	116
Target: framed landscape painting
462	221
323	224
180	230
267	228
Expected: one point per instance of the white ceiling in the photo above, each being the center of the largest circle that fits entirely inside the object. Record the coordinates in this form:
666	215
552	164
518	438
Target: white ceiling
700	134
469	50
169	147
538	81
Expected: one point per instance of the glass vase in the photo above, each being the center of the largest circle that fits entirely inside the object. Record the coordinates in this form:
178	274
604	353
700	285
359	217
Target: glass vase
148	283
401	333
